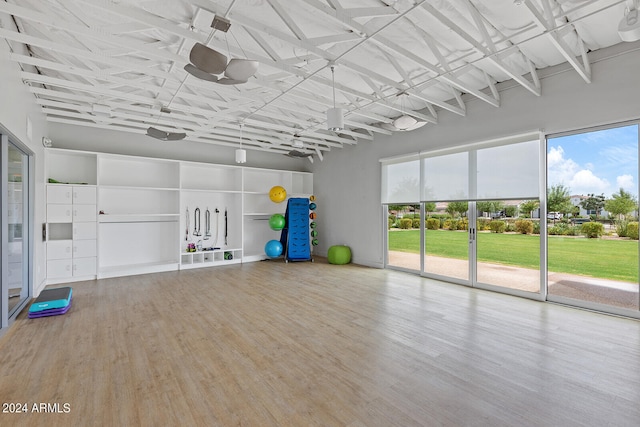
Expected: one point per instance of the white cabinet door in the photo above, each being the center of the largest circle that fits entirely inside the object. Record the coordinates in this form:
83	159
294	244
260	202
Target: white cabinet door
84	213
84	195
59	268
59	249
59	194
84	248
84	266
59	213
84	231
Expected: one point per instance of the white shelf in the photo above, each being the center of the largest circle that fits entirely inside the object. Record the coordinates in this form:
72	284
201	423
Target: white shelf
138	218
133	187
200	259
196	190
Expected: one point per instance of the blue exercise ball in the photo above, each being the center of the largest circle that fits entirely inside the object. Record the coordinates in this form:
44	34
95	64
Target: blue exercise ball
312	206
273	248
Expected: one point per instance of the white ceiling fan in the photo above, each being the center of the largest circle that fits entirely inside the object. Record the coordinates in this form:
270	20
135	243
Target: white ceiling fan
207	63
404	122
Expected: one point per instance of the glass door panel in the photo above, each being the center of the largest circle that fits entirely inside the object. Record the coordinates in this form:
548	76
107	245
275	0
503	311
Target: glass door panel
403	236
17	202
592	218
508	244
446	240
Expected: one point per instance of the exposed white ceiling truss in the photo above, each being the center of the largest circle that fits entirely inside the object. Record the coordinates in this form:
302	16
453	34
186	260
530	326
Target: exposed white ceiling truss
115	64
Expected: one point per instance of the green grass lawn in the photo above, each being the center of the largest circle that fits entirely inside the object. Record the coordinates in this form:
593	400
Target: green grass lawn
607	259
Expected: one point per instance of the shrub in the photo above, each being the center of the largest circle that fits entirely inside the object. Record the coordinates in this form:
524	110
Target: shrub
497	226
510	226
433	223
390	222
536	227
447	224
622	228
415	223
524	226
632	230
592	229
558	230
405	223
462	224
482	224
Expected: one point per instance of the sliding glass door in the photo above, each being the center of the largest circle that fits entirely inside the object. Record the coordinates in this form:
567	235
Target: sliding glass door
478	214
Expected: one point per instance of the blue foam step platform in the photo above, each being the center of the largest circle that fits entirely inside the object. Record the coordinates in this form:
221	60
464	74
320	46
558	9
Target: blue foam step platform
52	299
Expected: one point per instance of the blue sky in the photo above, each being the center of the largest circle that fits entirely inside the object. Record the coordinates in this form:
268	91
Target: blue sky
595	162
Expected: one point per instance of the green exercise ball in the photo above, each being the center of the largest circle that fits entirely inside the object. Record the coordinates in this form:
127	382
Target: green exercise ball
314	233
276	222
313	224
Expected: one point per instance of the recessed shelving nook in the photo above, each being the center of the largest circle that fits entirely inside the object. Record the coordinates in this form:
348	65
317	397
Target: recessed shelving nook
144	215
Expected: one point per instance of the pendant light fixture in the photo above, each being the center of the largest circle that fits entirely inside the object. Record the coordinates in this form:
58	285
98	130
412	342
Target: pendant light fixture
335	120
241	153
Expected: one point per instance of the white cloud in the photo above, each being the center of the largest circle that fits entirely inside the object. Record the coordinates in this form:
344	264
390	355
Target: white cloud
560	170
578	179
626	182
585	182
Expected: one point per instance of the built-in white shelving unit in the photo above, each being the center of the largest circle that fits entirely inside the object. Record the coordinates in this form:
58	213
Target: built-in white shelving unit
144	213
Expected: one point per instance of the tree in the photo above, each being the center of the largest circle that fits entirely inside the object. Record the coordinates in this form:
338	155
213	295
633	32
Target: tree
529	206
593	203
490	206
429	207
621	204
558	199
454	208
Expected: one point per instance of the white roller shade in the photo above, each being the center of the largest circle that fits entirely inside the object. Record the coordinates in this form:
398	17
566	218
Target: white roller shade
508	171
401	180
446	177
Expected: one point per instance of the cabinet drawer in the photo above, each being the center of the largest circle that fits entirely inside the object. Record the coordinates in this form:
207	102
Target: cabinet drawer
59	194
84	213
59	268
84	248
59	249
84	266
59	213
84	231
84	195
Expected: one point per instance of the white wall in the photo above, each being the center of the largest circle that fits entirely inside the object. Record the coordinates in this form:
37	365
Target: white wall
347	182
16	105
108	141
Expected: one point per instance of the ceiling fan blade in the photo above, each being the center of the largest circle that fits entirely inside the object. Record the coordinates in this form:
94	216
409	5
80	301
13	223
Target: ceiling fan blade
202	75
241	69
176	136
207	59
417	125
226	81
299	154
156	133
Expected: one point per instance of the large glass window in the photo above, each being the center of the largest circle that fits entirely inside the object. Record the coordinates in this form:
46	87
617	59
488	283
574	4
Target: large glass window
592	218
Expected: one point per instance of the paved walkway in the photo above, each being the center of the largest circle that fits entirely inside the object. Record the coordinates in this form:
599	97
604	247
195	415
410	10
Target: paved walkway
610	292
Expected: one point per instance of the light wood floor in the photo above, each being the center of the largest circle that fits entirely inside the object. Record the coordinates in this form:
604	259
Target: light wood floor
312	344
